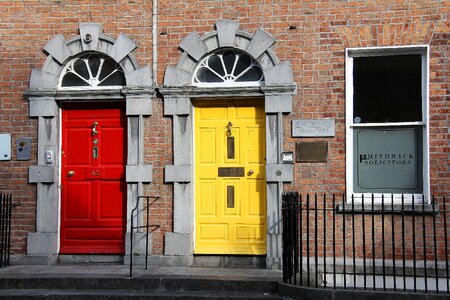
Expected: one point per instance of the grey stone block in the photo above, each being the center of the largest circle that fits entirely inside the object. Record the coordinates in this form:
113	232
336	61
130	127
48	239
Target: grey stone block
93	30
179	243
278	103
57	48
279	74
194	46
139	105
177	77
274	263
177	106
139	243
42	243
89	259
139	173
178	173
42	80
229	261
139	78
43	107
162	260
121	48
274	245
260	43
226	32
42	174
183	208
50	259
280	173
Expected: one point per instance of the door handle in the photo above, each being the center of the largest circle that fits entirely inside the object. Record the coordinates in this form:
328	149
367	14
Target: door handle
70	173
250	172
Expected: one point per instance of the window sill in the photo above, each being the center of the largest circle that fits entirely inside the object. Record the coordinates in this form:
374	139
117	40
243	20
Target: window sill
379	208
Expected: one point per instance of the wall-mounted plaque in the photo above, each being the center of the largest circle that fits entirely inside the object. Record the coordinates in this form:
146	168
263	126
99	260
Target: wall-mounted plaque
23	148
313	128
311	152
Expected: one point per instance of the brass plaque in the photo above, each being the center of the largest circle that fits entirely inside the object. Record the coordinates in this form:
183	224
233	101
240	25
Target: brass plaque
231	172
311	151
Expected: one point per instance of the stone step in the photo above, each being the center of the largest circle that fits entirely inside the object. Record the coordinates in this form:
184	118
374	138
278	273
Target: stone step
153	283
57	294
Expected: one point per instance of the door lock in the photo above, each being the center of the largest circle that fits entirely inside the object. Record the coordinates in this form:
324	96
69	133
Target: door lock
250	172
70	173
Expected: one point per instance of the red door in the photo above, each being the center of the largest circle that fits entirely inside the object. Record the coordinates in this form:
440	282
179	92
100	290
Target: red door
93	196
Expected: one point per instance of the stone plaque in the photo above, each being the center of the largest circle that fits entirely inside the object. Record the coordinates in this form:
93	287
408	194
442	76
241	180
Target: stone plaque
313	128
311	152
23	148
231	172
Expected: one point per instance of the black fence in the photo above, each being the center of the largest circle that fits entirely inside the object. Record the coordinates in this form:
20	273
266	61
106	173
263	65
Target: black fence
5	229
395	243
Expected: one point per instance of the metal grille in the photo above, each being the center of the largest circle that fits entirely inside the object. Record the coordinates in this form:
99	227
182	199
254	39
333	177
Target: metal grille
376	244
5	229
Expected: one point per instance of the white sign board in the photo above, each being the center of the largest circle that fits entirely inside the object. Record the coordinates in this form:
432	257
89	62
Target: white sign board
5	146
313	128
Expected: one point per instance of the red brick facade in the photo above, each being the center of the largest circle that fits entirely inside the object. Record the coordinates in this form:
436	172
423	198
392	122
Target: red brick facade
312	35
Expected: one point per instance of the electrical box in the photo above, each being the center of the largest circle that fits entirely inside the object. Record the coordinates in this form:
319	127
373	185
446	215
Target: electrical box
5	146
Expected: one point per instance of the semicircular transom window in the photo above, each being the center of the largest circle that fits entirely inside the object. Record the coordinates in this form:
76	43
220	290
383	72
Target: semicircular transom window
228	68
92	70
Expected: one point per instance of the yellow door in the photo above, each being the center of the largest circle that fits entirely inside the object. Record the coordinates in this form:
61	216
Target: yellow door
230	188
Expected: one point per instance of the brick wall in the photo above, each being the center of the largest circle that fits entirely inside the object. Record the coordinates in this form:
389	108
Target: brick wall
311	34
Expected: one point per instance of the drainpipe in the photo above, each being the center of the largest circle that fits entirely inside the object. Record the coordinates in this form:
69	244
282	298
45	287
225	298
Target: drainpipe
155	42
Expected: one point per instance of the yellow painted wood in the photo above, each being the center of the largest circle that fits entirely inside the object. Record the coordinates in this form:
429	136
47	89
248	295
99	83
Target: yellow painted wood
221	229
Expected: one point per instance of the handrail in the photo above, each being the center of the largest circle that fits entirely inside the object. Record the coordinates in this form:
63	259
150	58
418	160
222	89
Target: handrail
146	226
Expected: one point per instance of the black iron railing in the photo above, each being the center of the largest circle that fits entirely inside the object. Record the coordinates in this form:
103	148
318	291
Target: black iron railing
134	215
394	243
5	229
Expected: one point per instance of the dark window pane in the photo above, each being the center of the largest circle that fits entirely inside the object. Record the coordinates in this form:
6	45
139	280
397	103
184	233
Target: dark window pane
80	67
254	74
108	67
205	75
243	63
115	79
228	58
387	89
94	64
215	63
71	79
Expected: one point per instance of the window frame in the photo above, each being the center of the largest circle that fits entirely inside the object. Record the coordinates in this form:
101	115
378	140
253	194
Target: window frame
350	53
227	83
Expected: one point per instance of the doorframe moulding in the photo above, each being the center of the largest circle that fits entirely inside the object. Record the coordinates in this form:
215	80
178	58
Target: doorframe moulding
277	93
44	96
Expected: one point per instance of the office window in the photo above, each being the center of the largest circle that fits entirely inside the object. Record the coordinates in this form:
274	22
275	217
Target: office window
387	121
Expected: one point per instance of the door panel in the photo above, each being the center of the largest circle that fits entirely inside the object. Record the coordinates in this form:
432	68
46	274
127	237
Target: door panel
93	201
230	177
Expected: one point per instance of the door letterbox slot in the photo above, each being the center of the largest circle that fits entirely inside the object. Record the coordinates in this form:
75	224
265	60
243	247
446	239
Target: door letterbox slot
231	172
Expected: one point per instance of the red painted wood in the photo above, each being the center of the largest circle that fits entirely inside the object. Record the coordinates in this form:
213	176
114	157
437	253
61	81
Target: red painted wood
93	200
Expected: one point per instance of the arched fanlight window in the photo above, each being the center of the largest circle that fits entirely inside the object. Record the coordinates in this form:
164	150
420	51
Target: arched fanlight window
228	68
93	70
